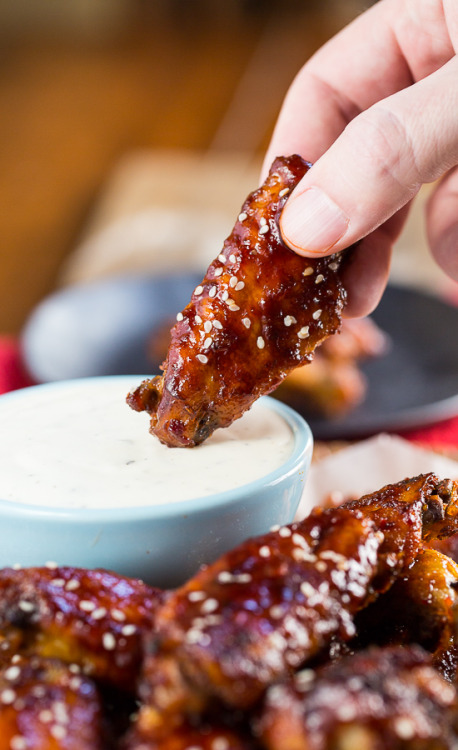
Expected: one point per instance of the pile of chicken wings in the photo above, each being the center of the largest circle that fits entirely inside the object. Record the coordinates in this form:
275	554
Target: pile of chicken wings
336	632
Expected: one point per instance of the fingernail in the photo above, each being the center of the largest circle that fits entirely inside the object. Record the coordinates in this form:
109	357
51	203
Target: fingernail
312	221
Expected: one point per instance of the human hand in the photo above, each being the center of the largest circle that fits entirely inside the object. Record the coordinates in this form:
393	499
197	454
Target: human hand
376	110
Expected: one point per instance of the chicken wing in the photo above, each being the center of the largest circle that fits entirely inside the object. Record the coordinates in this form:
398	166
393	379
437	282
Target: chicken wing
421	607
273	603
93	618
207	735
44	705
380	699
260	311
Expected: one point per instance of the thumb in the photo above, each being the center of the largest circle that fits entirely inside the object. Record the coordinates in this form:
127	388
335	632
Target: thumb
376	166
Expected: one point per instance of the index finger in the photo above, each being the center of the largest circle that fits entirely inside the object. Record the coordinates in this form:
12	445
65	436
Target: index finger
387	48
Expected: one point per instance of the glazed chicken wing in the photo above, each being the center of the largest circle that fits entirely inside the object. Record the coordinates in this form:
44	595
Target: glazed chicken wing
92	618
270	605
260	311
44	705
205	735
421	607
380	699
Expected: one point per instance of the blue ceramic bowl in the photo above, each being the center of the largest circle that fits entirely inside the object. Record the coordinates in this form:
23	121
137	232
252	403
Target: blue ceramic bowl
162	544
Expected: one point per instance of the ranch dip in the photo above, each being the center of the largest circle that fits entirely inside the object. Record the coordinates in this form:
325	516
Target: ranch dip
78	445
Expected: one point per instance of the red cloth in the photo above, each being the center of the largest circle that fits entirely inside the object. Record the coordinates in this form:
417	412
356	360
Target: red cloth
13	376
12	371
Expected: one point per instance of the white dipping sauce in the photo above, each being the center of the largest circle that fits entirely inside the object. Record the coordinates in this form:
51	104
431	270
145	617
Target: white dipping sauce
79	445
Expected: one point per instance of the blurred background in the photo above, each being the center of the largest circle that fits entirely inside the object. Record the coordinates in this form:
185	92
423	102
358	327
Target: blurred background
109	106
130	133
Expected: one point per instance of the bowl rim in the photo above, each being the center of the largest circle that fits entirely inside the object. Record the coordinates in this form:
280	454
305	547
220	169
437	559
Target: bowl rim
302	445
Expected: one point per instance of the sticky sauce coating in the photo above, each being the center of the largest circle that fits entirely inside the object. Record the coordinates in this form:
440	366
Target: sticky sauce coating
80	446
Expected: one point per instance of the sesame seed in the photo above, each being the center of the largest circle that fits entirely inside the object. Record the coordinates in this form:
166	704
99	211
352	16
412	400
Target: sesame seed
321	566
225	577
276	612
75	683
233	281
246	322
289	320
99	613
198	319
193	635
307	588
308	271
128	629
208	325
208	342
202	358
243	216
17	566
72	585
196	596
232	258
12	673
346	713
284	531
74	668
51	565
60	712
45	716
212	292
210	605
198	290
59	582
333	266
242	578
303	679
18	743
275	527
260	343
319	278
233	307
86	605
264	229
109	641
118	615
299	540
404	728
317	314
239	286
263	221
218	271
264	551
300	555
26	606
222	258
218	325
303	333
329	554
283	192
225	295
16	658
58	732
7	696
220	743
179	316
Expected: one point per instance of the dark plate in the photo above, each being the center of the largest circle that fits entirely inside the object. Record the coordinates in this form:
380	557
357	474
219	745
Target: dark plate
104	328
416	382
